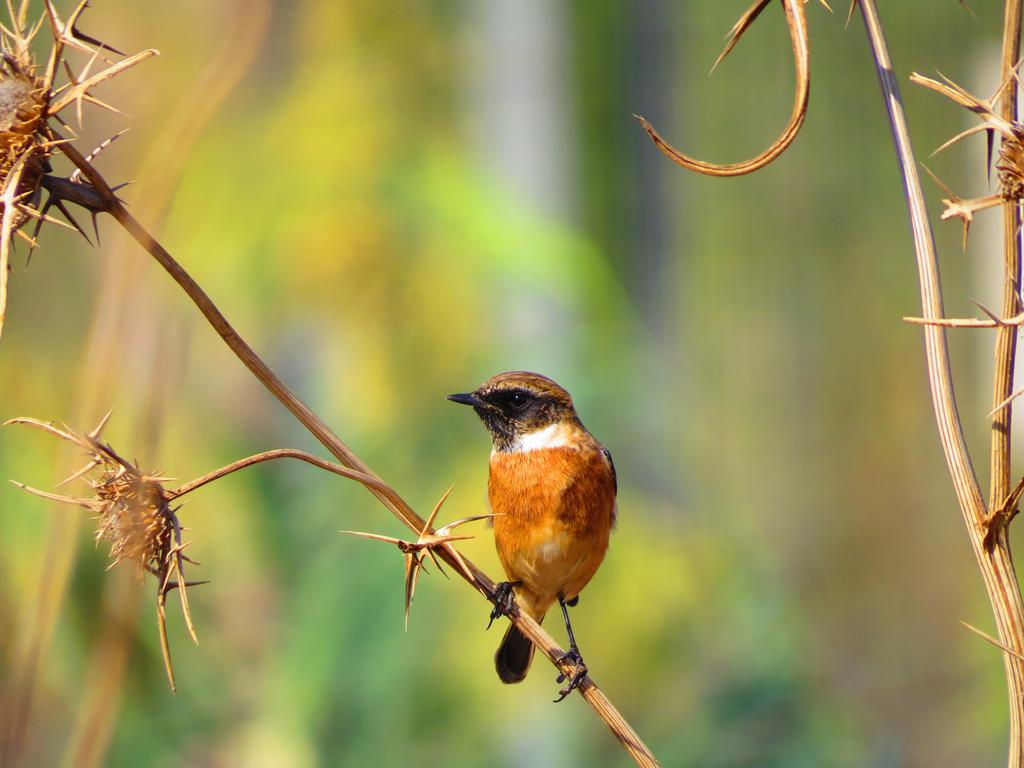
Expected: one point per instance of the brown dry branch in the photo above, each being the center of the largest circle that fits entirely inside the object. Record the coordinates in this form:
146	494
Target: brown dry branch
797	23
991	551
1010	168
96	195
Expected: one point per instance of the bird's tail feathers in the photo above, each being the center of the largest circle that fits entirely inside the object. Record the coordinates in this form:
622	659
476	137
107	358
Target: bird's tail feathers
512	661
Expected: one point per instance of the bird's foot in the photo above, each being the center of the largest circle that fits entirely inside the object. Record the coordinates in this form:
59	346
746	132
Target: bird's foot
504	599
578	673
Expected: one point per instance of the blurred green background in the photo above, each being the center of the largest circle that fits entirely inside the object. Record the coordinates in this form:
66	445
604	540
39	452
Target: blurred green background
393	201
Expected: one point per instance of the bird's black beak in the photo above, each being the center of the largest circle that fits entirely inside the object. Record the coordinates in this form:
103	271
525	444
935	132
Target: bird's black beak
468	398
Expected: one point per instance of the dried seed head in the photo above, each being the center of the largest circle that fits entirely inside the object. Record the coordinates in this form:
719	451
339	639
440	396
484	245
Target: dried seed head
30	98
134	514
1011	167
135	517
132	508
24	98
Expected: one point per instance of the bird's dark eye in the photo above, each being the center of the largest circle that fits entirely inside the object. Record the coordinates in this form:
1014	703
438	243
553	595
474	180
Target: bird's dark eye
518	401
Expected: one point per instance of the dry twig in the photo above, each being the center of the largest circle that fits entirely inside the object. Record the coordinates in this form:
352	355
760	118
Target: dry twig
96	195
797	23
995	562
99	196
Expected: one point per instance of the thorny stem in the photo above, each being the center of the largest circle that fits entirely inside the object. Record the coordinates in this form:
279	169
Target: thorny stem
390	498
1006	335
995	564
1005	357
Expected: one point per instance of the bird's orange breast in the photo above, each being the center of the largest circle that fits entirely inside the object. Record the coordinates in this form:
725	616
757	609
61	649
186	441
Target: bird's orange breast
555	508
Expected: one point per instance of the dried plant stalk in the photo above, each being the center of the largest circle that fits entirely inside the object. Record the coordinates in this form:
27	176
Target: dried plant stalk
20	186
98	196
994	562
1012	185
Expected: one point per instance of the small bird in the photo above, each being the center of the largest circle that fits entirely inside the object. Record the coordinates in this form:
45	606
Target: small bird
552	489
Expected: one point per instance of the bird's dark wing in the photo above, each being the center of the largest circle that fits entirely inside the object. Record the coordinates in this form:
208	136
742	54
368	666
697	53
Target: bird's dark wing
615	477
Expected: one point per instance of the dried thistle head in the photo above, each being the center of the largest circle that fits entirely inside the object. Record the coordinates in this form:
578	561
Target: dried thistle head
31	97
134	514
1010	165
24	98
132	508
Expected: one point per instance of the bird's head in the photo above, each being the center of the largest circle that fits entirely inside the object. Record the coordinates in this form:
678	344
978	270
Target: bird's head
521	410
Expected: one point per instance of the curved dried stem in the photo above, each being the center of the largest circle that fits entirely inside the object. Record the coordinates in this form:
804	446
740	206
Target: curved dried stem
279	453
995	564
797	23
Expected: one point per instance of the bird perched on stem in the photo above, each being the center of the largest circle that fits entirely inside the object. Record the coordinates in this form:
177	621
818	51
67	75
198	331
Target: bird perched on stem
552	490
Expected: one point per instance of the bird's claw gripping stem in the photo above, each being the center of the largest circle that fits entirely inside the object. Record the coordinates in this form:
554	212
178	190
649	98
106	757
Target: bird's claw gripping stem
504	599
571	656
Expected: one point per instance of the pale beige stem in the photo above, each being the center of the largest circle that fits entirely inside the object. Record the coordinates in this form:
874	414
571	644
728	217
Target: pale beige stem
995	565
632	742
1006	335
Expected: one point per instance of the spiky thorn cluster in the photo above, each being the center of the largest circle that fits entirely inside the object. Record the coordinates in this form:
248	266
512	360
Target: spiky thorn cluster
32	100
415	552
134	515
1010	162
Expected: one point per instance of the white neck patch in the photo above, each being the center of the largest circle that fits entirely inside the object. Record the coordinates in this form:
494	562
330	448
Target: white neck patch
551	436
